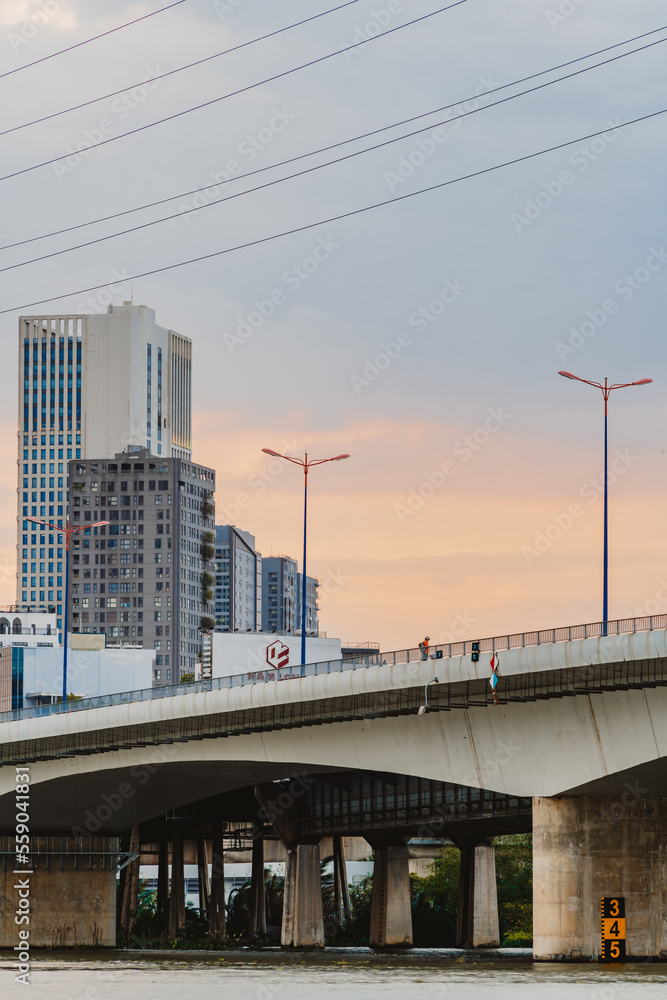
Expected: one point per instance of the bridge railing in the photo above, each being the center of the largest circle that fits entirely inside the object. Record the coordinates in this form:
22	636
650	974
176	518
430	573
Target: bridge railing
518	640
373	659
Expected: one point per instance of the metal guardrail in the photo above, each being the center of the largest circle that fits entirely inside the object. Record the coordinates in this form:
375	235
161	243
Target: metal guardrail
53	632
547	636
496	644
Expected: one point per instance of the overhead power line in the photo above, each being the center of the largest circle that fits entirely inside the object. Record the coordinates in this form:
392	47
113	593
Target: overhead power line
180	69
241	90
343	142
87	41
343	215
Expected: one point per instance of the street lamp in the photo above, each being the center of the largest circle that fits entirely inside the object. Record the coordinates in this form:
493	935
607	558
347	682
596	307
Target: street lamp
606	392
305	464
67	532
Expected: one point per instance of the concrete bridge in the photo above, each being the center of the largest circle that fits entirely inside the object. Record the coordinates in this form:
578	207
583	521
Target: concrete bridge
578	727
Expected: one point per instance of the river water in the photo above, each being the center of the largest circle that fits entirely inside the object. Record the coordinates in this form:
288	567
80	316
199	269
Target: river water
350	974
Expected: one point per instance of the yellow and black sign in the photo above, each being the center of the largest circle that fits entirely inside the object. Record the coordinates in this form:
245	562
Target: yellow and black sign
613	929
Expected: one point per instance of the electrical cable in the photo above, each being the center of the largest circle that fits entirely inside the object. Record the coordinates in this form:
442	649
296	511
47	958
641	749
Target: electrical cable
321	166
365	135
235	93
343	215
180	69
78	45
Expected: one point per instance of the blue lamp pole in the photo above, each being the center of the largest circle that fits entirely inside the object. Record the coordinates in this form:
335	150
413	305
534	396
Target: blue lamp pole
305	464
67	531
606	392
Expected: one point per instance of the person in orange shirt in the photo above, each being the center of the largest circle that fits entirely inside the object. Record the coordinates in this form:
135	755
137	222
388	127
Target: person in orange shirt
424	647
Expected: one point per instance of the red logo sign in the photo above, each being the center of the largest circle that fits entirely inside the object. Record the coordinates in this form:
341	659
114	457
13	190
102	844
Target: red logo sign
277	654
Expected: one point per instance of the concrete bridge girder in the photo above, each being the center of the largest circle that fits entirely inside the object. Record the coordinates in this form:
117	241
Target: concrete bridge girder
569	743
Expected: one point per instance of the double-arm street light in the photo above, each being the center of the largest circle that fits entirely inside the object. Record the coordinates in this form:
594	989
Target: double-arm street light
67	531
305	464
606	392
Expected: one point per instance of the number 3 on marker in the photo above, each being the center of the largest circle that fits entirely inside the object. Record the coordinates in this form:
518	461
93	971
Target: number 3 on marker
614	908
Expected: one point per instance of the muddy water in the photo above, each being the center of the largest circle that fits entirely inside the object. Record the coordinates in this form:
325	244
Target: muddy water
335	975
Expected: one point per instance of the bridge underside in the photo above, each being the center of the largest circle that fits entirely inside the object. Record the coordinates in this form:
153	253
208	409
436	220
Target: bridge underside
593	759
350	803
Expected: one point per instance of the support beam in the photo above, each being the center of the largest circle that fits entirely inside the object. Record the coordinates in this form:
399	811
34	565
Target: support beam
177	894
585	848
202	875
129	889
163	882
343	914
303	922
391	916
258	898
217	924
477	915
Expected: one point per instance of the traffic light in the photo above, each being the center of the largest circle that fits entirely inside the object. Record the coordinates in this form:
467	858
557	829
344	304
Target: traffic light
475	652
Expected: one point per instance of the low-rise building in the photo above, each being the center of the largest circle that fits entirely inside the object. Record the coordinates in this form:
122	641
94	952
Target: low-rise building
30	677
23	625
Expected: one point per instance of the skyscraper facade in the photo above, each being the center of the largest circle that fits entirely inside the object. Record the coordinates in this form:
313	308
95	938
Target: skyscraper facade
279	597
282	597
145	578
238	580
312	611
89	385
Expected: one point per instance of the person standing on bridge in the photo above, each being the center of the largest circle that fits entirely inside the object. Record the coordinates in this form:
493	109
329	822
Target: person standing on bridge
423	646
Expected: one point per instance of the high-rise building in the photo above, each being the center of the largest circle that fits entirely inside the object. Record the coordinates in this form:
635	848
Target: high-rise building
238	580
312	617
282	595
279	575
144	578
89	386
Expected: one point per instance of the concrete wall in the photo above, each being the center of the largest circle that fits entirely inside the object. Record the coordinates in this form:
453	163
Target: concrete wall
70	897
585	848
90	672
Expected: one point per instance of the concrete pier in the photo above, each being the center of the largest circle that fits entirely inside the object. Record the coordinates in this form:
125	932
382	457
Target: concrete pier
217	928
257	890
585	848
477	916
129	889
391	916
68	892
303	922
177	890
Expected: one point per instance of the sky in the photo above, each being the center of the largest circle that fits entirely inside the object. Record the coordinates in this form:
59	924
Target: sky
424	336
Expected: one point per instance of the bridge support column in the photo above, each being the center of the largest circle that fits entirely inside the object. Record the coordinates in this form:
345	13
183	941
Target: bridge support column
343	913
68	890
258	895
585	848
177	894
391	916
129	888
217	926
202	876
477	916
303	921
163	881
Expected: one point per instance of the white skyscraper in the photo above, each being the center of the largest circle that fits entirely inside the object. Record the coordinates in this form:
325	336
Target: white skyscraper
89	386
